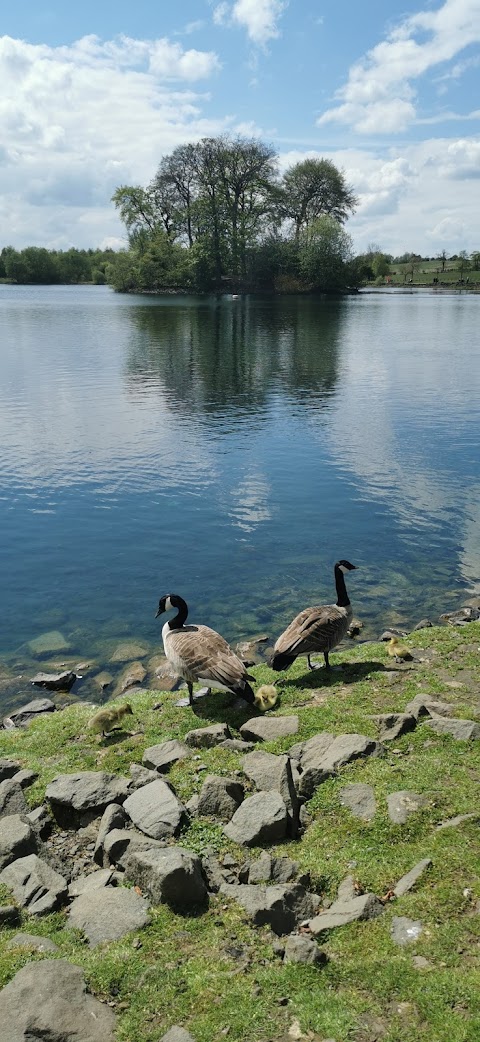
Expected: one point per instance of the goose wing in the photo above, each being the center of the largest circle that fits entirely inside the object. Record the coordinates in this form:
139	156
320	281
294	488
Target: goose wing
208	656
313	629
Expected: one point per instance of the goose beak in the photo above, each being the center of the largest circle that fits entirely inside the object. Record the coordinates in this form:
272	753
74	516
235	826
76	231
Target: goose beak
158	613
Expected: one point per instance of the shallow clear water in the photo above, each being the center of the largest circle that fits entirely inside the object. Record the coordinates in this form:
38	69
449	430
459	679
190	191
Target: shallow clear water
231	450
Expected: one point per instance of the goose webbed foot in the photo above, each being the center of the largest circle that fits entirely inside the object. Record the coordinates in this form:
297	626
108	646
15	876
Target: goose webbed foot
313	665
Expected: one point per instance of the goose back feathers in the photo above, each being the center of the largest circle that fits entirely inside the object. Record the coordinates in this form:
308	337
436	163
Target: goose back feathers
316	629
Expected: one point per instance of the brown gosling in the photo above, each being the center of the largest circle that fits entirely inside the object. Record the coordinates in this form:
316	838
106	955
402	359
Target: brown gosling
266	697
106	719
398	651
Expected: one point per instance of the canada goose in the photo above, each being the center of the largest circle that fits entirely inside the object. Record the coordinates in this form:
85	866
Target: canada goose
398	651
199	653
316	629
266	697
106	719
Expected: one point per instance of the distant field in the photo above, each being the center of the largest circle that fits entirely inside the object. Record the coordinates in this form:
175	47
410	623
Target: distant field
424	273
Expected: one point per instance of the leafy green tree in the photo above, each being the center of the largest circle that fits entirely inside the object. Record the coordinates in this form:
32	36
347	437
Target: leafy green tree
380	265
312	188
325	250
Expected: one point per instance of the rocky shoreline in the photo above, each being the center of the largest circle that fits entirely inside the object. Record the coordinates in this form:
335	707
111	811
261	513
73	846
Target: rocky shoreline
106	849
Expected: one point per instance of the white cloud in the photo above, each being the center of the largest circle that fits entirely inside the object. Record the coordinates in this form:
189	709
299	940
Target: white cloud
259	17
378	96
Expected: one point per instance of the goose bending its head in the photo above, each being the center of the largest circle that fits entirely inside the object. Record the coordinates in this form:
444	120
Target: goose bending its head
198	653
107	719
316	629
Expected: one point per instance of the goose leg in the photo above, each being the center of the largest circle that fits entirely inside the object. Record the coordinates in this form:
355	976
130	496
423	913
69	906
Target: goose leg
190	693
327	664
312	665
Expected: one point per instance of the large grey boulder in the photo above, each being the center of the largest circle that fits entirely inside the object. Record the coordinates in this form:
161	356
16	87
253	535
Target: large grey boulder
321	756
94	881
393	725
172	875
260	819
462	730
267	728
367	906
281	907
155	810
35	886
47	1000
119	843
141	776
33	941
130	676
8	768
78	798
160	757
23	716
113	817
12	800
17	839
303	949
108	913
461	617
271	772
220	797
360	800
402	804
206	737
55	681
425	705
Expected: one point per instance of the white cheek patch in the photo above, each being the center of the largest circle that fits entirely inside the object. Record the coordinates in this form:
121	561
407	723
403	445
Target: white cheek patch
343	569
168	604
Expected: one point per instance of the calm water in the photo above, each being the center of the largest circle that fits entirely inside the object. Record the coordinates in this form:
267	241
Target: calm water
231	450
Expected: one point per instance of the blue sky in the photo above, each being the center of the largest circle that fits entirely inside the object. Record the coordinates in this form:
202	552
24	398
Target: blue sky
93	96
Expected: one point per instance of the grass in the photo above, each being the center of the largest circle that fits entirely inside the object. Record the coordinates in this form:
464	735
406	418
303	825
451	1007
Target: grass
186	970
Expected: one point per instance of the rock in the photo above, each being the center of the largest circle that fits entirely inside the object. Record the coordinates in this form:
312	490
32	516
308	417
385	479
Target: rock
113	817
161	757
410	878
32	940
119	843
259	819
321	756
108	914
94	881
191	805
9	915
83	796
55	681
130	676
402	804
267	728
128	651
355	627
392	725
155	810
35	886
40	821
360	800
346	890
458	820
462	730
8	768
48	1000
260	871
23	717
141	775
17	839
236	745
282	908
177	1034
103	680
206	737
461	617
220	797
405	931
48	643
423	625
425	705
12	800
274	773
25	778
388	634
172	875
366	906
303	949
421	963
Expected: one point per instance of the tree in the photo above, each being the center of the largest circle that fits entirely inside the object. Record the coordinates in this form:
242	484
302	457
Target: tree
312	188
475	260
442	257
326	249
380	265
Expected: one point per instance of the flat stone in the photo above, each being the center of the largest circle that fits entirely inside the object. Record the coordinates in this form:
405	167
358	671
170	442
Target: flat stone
405	931
55	681
346	889
462	730
425	705
303	949
220	797
94	881
282	908
366	906
404	803
32	940
108	914
17	839
130	676
120	843
128	651
321	756
172	875
160	757
267	728
47	1000
392	725
40	820
459	819
35	886
12	800
461	617
423	625
48	643
410	878
260	819
177	1034
206	737
86	794
237	745
155	810
360	800
113	817
274	773
141	775
8	768
30	711
25	778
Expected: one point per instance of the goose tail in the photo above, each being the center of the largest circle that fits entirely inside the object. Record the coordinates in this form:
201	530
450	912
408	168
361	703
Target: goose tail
280	660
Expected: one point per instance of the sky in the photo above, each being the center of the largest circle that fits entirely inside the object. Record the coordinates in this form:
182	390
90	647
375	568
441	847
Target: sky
93	95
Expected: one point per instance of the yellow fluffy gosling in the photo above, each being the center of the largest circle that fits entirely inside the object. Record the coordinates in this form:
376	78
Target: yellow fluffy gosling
266	697
106	719
399	652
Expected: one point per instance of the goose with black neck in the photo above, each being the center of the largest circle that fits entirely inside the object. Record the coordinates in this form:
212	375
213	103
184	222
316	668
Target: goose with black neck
316	629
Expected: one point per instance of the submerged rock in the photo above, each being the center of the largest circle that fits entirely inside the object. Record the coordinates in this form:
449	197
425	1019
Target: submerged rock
55	681
48	643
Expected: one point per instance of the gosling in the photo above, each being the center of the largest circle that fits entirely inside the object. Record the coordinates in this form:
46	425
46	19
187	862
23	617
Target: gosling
106	719
399	652
266	697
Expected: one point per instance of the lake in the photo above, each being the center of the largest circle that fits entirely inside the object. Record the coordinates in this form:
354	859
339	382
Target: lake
231	449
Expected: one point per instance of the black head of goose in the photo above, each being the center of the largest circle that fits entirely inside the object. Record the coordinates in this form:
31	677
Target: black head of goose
316	629
198	653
